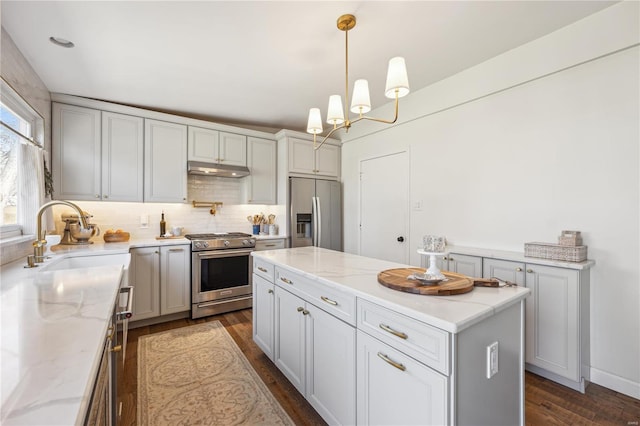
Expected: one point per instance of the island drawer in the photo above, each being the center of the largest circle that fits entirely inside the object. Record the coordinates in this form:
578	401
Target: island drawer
338	303
263	269
427	344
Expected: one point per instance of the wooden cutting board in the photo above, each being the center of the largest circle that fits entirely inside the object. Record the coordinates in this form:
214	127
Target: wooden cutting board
396	279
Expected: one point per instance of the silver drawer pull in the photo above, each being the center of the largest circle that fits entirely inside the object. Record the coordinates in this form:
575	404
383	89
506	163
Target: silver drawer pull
260	268
283	279
392	331
329	301
392	362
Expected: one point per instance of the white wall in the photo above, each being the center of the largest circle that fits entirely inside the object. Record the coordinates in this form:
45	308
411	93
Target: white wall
538	140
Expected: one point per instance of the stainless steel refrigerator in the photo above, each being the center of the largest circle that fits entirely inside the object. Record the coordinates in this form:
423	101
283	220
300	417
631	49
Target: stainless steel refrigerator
316	213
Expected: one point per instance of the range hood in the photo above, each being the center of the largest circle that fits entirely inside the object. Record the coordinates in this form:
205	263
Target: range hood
215	169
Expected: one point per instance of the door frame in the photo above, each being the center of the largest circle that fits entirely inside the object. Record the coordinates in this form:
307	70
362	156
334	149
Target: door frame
407	210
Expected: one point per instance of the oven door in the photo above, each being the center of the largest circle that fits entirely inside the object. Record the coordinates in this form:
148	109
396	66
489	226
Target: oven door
220	274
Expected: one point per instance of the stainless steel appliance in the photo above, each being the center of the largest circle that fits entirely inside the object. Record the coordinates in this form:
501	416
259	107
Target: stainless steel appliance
316	213
221	271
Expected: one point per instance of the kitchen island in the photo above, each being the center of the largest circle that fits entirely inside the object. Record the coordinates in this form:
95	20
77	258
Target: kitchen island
364	353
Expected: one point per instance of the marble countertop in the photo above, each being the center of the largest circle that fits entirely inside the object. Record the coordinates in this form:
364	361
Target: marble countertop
517	257
358	274
53	329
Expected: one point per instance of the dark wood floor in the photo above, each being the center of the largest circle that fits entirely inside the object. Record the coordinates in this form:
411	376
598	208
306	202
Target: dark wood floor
547	403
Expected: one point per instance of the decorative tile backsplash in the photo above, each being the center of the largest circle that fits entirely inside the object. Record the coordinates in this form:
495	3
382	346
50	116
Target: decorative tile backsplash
230	217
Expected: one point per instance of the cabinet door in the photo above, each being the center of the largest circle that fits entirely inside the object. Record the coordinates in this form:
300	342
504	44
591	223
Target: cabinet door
290	337
175	279
382	372
122	157
144	276
203	145
76	152
165	178
552	320
233	149
261	160
331	367
301	156
464	264
263	319
328	160
504	270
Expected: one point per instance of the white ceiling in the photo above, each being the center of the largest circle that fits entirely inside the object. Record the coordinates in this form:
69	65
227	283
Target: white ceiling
264	63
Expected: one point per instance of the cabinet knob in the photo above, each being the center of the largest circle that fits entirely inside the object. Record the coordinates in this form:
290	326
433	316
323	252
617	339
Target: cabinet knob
300	309
445	258
97	195
529	270
105	197
305	312
156	252
518	269
270	291
452	259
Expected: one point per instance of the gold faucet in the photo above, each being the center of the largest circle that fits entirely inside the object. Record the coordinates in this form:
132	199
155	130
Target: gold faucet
38	245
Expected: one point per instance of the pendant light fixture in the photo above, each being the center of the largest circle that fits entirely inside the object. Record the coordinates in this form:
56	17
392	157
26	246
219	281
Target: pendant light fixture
397	86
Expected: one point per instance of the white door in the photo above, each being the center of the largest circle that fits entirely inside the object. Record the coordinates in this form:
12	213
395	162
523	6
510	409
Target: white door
384	207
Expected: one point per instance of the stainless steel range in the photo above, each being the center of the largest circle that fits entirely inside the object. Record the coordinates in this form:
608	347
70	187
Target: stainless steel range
221	271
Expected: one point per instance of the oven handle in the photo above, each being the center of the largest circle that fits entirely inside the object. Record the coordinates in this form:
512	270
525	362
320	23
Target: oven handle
212	254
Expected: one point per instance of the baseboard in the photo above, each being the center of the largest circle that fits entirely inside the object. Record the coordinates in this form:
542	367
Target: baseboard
616	383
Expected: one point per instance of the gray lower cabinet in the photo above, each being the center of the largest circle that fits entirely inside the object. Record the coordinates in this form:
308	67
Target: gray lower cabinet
462	264
557	318
161	277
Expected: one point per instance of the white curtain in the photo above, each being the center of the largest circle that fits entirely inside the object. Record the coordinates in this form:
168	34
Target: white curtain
30	186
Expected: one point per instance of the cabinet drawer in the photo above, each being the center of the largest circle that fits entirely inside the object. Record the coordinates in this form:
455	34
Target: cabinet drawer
425	343
269	244
263	269
339	303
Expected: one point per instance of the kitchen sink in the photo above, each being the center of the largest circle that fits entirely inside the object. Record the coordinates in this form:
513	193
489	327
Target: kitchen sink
77	262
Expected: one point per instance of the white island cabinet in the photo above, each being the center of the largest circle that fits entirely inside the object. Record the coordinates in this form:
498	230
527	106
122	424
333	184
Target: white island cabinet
322	315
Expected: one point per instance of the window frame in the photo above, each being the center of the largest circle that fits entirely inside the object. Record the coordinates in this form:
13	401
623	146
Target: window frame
14	101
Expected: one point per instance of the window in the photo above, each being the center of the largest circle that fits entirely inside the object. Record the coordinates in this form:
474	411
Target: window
19	122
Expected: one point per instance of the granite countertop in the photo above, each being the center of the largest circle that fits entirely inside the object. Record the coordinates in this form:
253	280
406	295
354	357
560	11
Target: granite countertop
358	274
54	324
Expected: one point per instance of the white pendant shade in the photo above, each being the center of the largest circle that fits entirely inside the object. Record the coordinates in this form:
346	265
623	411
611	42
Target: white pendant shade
397	78
314	125
360	101
335	114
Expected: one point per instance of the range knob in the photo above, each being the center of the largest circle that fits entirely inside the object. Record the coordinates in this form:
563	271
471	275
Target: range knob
226	243
245	242
205	244
197	244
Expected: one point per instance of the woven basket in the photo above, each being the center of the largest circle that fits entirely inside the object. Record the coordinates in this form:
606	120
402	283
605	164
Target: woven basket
556	252
570	238
116	237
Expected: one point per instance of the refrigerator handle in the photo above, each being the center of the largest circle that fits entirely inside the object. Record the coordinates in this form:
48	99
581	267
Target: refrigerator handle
319	222
314	218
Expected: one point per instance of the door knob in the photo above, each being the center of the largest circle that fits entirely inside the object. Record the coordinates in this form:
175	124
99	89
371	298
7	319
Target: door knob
400	239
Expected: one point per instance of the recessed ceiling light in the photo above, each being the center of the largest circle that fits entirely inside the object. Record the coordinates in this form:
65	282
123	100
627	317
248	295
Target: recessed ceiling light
58	41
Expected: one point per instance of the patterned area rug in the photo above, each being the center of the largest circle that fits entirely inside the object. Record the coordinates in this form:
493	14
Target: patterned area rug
197	375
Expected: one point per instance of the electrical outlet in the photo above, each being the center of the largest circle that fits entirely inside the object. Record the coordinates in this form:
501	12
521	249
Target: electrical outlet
492	360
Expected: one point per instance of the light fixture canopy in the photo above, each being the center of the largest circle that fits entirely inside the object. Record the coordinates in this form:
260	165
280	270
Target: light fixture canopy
397	86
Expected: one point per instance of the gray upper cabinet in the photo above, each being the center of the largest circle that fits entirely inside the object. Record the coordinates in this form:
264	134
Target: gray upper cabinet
76	154
122	157
213	146
165	152
261	160
96	155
